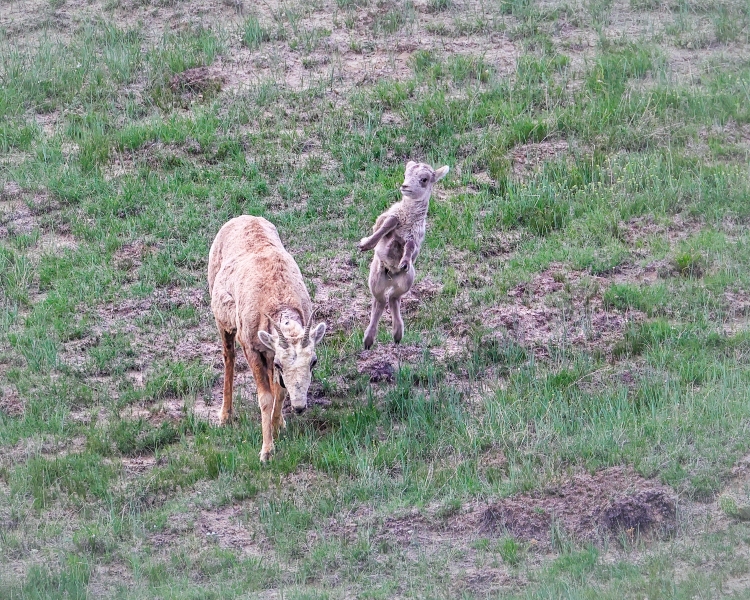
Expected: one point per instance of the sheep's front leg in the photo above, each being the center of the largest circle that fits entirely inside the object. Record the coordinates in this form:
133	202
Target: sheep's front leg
277	418
265	401
229	354
409	248
388	225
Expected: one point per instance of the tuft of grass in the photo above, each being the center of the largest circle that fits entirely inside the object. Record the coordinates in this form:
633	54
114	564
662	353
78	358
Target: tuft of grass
253	33
690	264
436	6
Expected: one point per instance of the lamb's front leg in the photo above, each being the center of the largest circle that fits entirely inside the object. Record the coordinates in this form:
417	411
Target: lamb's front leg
368	243
406	257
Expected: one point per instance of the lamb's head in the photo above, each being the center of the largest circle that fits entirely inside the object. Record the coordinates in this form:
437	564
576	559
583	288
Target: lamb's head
294	358
419	179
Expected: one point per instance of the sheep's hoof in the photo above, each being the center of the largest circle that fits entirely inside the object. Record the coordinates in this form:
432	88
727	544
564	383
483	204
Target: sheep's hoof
368	342
225	418
265	455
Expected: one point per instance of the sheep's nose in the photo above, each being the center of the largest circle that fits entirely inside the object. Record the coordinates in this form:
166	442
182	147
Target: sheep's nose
300	409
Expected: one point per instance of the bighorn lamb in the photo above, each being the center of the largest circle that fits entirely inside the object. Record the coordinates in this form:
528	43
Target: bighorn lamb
259	297
397	237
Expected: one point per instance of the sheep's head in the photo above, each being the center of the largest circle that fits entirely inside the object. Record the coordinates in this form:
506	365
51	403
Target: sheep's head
294	358
419	179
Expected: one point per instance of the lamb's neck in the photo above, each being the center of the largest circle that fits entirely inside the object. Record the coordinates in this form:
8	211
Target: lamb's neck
417	209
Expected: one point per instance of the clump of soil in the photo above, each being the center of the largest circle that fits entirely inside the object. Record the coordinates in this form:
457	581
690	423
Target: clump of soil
588	508
10	402
380	371
130	256
199	81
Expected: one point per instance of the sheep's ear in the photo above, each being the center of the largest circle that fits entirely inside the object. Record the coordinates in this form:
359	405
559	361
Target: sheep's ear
441	172
317	334
411	163
267	340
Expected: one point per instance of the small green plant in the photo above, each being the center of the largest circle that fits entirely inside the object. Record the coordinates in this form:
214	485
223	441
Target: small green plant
510	551
690	264
439	5
253	33
517	8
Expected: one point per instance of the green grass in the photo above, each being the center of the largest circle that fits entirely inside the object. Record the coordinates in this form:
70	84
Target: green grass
112	481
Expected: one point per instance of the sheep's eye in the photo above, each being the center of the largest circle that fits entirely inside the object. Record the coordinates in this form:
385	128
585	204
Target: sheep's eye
313	362
278	366
424	180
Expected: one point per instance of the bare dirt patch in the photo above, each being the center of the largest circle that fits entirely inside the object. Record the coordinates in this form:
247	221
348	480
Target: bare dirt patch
224	527
136	466
561	307
587	508
11	403
528	158
584	508
674	231
197	82
130	256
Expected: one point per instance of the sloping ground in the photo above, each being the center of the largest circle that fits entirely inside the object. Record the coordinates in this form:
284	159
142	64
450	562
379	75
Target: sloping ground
568	411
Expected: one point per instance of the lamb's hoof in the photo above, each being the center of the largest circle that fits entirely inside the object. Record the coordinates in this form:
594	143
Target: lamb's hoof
225	418
368	342
265	455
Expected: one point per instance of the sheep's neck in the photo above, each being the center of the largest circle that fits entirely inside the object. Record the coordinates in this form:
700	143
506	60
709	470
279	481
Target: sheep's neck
417	209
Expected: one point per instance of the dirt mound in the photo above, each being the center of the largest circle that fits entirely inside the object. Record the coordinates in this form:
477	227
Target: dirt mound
380	371
197	81
588	508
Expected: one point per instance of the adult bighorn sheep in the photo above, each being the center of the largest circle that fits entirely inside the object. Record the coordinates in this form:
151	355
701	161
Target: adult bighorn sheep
258	297
397	238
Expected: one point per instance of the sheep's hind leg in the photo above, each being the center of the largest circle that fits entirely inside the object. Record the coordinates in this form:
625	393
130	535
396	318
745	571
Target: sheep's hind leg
229	353
379	284
402	284
378	306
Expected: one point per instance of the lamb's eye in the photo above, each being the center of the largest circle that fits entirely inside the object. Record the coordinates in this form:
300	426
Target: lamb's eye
313	362
424	180
278	366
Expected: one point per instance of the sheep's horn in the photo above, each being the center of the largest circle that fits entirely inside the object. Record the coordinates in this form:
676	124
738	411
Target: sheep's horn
282	340
306	337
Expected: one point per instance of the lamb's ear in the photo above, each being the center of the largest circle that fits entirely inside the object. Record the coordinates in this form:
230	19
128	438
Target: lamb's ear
411	163
441	172
267	340
317	334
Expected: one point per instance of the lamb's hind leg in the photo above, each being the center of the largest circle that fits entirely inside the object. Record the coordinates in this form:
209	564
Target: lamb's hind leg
401	285
379	284
229	353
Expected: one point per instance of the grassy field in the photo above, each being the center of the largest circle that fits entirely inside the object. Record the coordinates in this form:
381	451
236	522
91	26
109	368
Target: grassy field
568	415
